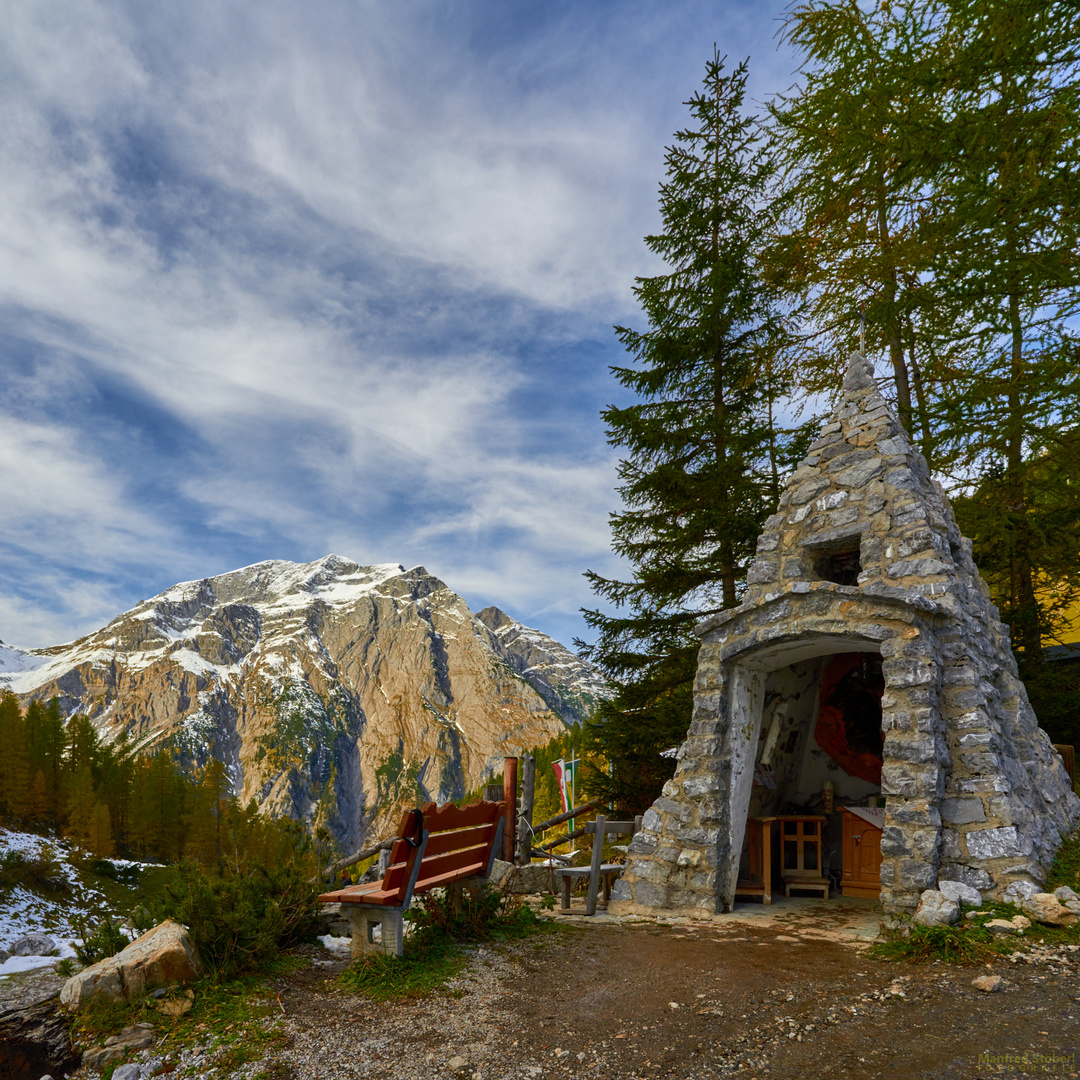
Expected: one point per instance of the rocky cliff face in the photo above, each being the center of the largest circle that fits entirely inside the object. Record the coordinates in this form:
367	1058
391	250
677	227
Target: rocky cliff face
327	688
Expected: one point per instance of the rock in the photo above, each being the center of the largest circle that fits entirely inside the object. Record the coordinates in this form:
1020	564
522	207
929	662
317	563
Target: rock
117	1047
34	945
975	914
1044	908
331	921
175	1004
1003	927
1016	892
1065	895
40	1032
163	956
936	909
483	676
131	1071
523	880
961	893
989	984
4	956
1021	921
456	1063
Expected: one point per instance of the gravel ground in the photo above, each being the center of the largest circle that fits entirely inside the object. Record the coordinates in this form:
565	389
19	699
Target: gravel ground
641	1000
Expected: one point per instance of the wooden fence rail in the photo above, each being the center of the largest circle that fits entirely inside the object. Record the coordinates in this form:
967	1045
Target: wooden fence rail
584	808
360	856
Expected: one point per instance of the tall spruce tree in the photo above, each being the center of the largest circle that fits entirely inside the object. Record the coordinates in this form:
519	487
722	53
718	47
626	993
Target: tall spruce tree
701	460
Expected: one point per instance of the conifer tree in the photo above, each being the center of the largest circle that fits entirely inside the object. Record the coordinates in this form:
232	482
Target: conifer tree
701	458
38	803
1007	245
141	833
45	743
83	743
207	814
100	835
14	767
79	807
166	802
855	140
932	158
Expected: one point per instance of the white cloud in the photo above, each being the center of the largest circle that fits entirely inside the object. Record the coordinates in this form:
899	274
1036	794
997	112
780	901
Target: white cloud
272	271
51	485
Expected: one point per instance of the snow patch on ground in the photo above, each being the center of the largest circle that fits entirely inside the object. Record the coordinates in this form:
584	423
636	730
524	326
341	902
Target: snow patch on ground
340	945
24	912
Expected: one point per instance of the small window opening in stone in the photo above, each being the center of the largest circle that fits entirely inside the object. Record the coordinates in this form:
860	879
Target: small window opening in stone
840	567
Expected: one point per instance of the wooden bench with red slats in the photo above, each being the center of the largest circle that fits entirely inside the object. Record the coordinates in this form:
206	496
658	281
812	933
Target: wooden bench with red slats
436	847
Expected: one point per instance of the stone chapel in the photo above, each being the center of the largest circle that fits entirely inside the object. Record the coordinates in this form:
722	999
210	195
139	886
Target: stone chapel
866	665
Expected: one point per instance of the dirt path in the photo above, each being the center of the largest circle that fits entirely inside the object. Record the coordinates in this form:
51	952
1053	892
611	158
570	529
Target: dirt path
743	999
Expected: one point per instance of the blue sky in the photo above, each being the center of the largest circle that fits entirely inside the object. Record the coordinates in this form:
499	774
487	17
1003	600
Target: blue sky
284	279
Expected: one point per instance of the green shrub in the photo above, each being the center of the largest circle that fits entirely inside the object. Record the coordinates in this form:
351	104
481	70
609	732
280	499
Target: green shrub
424	968
106	868
142	919
478	913
107	940
964	944
239	919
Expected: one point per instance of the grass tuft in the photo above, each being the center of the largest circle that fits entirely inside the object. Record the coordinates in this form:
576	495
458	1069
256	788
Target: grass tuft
424	969
920	944
1066	867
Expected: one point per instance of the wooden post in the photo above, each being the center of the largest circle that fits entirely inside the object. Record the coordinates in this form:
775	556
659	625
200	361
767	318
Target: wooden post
597	862
524	825
510	798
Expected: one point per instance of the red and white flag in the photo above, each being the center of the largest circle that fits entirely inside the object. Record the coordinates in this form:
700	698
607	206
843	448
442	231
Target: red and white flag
564	778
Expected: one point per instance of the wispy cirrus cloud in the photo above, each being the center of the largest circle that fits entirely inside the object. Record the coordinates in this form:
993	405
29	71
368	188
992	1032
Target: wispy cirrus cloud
286	278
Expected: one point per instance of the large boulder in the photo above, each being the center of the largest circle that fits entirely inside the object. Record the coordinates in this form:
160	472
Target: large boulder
35	1041
163	956
936	909
1045	907
523	880
1068	898
117	1047
34	945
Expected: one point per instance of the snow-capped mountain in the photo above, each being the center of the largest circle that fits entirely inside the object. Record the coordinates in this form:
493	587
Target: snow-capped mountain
325	687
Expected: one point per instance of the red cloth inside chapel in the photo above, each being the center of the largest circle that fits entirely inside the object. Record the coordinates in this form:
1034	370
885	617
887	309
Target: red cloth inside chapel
849	714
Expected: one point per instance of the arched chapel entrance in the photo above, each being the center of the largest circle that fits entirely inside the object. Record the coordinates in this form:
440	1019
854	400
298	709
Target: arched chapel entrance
819	753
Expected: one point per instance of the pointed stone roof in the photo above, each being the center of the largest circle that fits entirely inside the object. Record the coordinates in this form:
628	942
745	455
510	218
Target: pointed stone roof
863	487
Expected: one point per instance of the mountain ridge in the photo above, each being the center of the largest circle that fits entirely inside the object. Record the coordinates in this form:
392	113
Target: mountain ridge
333	692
